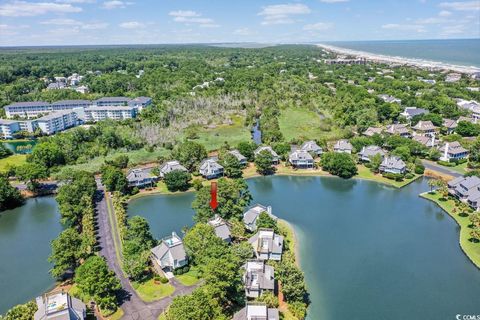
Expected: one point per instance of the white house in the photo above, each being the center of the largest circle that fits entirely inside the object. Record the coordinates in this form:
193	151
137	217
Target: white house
343	146
170	166
267	245
275	157
312	147
258	278
250	216
257	311
392	164
141	178
222	230
301	159
59	305
210	168
453	151
170	253
368	152
240	157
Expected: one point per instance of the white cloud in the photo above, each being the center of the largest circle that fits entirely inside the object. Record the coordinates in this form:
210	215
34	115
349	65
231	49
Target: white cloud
9	30
404	27
75	1
243	32
61	22
462	6
434	20
30	9
189	17
115	4
94	26
333	1
281	13
444	13
132	25
319	26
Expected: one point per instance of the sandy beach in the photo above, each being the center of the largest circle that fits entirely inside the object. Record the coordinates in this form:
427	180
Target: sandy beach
419	63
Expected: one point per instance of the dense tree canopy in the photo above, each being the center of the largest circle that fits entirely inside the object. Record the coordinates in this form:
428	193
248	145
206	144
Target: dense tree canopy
339	164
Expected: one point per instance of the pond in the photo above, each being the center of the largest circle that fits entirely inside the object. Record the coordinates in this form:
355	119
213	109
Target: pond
25	236
20	146
368	251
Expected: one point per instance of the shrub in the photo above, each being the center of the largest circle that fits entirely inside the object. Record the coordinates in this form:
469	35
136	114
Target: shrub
410	175
419	169
186	269
298	309
197	184
446	163
393	176
179	271
163	280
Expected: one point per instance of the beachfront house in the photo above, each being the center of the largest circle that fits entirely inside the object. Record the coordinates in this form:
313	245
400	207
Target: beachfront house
267	245
366	154
59	305
371	131
392	164
398	129
301	159
258	278
449	125
425	128
343	146
312	147
210	168
250	216
411	112
240	157
141	178
275	157
170	166
222	230
170	253
257	311
452	151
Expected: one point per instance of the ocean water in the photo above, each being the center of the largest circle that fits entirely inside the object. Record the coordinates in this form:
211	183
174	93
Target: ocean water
464	52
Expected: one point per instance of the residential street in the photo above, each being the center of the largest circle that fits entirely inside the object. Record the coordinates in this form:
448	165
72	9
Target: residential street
133	307
436	167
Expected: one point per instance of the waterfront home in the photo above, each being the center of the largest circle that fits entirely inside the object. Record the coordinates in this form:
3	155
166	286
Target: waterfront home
275	157
210	168
312	147
250	216
301	159
425	128
368	152
393	164
170	166
240	157
257	311
343	146
170	253
449	125
59	305
141	178
8	128
411	112
389	99
467	189
398	129
453	151
371	131
221	228
258	278
267	245
428	142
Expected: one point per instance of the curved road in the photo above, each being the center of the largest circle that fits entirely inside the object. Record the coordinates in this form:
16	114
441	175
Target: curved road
134	308
436	167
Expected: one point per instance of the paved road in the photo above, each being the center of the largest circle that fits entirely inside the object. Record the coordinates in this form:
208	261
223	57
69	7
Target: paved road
436	167
134	308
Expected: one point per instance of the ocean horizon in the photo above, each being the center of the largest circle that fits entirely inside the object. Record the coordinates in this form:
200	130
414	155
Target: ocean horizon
462	52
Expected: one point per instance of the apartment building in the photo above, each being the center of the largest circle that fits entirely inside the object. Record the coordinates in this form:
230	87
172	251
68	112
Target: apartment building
94	114
56	121
8	128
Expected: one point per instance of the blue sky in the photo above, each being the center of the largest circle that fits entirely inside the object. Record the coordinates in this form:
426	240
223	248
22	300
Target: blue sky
76	22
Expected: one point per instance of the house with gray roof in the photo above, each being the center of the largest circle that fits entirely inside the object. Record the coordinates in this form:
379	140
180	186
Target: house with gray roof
275	157
427	141
312	147
449	125
240	157
222	230
170	253
368	152
467	189
257	311
250	216
267	245
301	159
389	99
411	112
453	151
141	178
343	146
371	131
258	278
59	305
112	102
398	129
425	128
170	166
210	168
393	164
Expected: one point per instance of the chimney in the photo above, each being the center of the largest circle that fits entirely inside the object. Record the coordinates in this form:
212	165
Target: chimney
445	155
269	210
433	140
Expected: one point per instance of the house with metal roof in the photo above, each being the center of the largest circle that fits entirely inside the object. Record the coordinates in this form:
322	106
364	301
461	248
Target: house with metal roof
267	245
251	215
427	141
393	164
450	125
170	166
222	230
59	305
257	311
425	128
301	159
343	146
368	152
170	253
258	277
240	157
411	112
275	157
398	129
141	178
312	147
371	131
210	168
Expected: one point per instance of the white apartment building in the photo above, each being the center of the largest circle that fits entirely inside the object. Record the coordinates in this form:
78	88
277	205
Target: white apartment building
95	114
57	121
27	109
8	128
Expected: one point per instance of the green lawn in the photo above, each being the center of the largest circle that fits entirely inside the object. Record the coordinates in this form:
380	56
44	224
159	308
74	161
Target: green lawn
471	249
13	160
460	168
214	138
365	173
190	278
305	124
150	291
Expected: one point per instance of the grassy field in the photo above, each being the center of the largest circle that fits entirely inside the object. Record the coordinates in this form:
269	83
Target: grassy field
13	160
190	278
150	291
366	174
214	138
471	249
305	124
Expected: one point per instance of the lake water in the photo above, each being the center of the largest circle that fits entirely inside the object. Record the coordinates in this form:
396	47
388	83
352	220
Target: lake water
368	251
25	236
20	147
463	52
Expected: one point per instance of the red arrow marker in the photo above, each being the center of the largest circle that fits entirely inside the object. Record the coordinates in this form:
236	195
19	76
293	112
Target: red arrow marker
213	195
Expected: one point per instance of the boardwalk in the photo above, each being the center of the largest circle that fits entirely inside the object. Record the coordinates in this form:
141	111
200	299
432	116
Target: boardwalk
134	308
